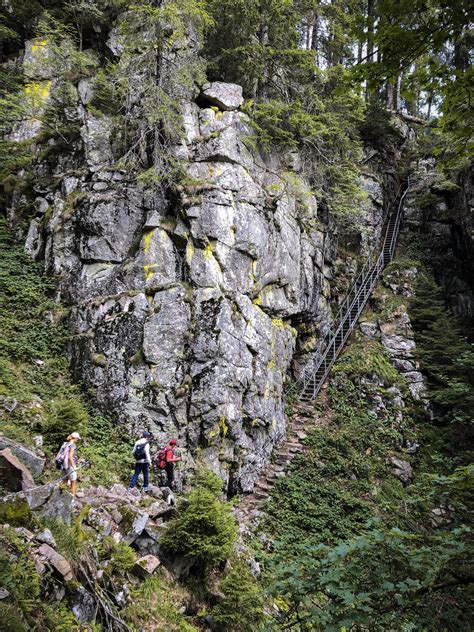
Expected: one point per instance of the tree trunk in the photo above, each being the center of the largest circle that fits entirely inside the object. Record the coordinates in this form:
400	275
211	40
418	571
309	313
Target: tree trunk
390	95
370	44
398	98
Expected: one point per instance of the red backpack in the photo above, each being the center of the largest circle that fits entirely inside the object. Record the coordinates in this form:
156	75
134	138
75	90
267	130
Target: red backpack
160	458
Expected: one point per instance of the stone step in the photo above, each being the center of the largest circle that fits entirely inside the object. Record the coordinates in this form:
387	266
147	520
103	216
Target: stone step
293	444
301	434
296	428
261	494
283	457
295	450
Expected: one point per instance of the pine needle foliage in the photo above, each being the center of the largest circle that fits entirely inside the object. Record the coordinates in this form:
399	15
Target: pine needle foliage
204	530
241	604
446	357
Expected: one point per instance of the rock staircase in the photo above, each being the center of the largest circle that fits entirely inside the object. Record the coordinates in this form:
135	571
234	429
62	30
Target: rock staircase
302	417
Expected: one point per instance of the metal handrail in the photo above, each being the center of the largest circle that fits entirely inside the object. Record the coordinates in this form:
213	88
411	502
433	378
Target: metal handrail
315	372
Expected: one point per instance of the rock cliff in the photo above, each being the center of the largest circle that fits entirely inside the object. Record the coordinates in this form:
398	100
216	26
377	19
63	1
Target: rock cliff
186	301
182	303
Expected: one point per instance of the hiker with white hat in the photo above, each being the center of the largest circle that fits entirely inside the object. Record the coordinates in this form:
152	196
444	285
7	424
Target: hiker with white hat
66	460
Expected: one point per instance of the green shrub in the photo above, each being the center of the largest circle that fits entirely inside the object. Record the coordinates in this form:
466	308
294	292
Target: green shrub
367	358
70	539
25	332
241	606
19	576
67	414
156	605
204	529
108	447
123	558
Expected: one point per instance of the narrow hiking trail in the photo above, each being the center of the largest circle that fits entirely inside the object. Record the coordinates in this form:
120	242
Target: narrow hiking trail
305	417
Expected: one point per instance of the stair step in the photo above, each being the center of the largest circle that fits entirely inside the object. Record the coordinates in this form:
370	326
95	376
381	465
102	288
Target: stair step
282	455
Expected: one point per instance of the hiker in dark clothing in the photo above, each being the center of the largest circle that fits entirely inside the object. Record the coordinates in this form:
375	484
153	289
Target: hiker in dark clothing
170	459
141	452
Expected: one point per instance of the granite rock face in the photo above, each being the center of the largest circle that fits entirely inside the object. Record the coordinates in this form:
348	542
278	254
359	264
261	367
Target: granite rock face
30	459
392	326
439	223
226	96
182	308
14	475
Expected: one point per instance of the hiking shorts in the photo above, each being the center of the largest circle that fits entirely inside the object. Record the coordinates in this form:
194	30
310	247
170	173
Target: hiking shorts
72	474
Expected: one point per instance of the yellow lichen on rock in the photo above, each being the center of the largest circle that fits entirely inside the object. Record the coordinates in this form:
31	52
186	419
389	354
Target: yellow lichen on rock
38	91
147	237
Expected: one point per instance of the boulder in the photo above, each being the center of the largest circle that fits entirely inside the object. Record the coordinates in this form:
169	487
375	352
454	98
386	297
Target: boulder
84	606
57	561
441	516
101	521
227	96
156	492
160	510
369	328
31	460
46	537
39	495
146	566
168	495
9	404
14	475
137	527
401	469
4	593
58	506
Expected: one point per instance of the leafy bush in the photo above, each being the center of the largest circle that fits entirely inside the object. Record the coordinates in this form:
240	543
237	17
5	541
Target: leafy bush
241	607
329	492
108	447
204	529
70	539
26	333
384	579
446	357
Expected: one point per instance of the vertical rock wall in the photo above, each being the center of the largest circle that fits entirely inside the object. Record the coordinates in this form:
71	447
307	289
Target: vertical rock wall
182	303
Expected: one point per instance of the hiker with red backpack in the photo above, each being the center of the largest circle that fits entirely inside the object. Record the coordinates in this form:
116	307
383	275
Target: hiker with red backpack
166	459
141	452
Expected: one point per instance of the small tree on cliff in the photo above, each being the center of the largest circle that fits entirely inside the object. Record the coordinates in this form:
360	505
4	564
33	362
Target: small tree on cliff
204	530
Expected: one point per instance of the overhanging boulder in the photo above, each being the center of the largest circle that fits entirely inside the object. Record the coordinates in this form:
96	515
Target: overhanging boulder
14	475
29	458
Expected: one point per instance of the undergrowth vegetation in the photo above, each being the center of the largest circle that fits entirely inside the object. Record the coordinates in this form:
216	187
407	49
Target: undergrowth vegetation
37	394
354	547
204	531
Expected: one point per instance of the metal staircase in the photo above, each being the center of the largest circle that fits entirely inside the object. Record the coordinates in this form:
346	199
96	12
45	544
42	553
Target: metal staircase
315	372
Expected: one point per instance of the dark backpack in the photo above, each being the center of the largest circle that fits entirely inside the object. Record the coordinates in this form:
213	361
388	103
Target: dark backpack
59	459
139	452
